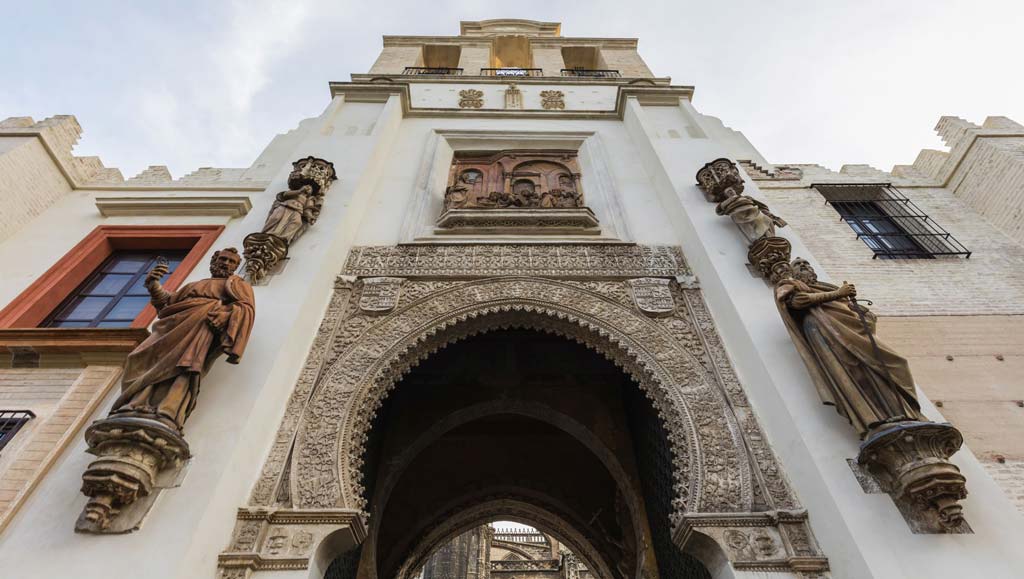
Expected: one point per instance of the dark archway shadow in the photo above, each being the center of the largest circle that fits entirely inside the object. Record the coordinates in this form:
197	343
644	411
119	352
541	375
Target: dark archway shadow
519	417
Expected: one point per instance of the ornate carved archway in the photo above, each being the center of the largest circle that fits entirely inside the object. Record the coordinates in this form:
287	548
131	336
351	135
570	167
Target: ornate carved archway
367	341
697	418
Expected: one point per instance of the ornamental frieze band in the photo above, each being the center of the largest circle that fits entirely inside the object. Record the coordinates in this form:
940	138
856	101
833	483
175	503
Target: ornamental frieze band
477	260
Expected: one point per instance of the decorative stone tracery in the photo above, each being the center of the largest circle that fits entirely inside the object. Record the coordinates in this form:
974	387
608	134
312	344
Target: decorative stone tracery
722	463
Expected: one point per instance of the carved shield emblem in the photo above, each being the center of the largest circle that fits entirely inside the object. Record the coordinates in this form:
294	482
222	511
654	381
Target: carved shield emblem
380	294
652	295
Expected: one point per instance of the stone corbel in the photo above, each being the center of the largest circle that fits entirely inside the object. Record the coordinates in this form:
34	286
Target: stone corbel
268	539
775	541
136	458
293	212
910	461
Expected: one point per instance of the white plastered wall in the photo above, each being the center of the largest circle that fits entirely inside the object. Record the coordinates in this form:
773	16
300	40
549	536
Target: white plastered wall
862	534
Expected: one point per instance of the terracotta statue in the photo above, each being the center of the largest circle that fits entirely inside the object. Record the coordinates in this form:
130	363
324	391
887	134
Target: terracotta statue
197	324
292	212
867	382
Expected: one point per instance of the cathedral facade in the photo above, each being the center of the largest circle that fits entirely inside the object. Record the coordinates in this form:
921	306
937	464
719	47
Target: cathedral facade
511	275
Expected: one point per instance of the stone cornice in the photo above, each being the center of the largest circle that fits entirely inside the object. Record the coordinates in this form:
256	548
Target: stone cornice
72	340
536	41
232	206
519	80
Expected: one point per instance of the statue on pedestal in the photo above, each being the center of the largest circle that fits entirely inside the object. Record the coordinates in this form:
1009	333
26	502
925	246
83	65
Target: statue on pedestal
293	212
871	386
140	443
721	182
866	381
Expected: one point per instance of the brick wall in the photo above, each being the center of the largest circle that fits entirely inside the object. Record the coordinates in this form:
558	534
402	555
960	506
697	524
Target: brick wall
626	61
394	59
63	399
29	182
990	282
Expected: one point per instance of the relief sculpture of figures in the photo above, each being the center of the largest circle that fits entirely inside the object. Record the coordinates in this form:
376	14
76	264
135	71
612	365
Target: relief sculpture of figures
292	213
139	446
721	182
514	179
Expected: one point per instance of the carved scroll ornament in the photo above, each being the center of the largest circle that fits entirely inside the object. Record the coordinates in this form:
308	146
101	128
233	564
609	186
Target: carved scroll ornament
139	447
866	381
293	212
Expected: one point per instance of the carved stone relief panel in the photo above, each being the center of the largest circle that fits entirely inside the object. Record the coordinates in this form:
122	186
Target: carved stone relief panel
514	179
552	100
652	295
380	294
471	99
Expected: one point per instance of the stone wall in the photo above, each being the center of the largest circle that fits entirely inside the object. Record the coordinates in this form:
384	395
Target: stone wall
972	367
991	281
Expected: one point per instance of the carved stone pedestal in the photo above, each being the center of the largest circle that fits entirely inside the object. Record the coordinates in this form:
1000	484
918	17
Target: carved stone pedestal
135	458
911	461
263	252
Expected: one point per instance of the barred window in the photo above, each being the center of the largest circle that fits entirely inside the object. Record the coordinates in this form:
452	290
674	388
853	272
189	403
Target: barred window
889	223
11	422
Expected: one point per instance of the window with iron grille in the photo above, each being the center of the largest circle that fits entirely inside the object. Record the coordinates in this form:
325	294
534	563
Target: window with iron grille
889	223
11	422
114	294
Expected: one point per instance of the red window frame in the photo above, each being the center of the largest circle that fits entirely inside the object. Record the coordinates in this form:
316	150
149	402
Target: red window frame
32	306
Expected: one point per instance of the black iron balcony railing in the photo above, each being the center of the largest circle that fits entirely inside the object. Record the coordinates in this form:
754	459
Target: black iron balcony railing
434	70
511	71
591	72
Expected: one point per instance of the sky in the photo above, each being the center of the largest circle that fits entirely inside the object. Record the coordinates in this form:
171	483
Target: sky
192	84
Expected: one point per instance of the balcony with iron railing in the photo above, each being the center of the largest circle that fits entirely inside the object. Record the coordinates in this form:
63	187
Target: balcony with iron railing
591	72
432	71
512	71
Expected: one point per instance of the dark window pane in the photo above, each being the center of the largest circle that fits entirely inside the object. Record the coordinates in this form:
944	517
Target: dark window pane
128	263
84	308
127	308
107	283
115	324
139	288
69	325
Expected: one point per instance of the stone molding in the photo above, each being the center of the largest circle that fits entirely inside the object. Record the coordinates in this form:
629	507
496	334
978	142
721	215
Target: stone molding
520	221
173	205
